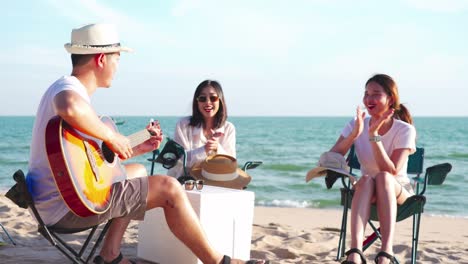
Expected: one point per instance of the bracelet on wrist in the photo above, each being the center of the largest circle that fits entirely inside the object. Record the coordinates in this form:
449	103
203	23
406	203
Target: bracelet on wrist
375	138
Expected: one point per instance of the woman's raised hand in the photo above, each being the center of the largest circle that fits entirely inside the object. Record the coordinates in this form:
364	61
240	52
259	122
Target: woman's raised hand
358	123
211	146
377	124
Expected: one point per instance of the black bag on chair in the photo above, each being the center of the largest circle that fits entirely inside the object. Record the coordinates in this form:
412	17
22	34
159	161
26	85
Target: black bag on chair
18	193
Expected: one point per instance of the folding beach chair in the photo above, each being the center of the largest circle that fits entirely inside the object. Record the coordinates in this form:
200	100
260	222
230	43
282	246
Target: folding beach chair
169	156
413	206
8	235
173	151
20	195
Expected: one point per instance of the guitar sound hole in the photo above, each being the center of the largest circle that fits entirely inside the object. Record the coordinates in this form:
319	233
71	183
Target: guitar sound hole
108	154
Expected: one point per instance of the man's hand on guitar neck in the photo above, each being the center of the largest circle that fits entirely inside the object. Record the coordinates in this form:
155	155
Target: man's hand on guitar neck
154	129
122	145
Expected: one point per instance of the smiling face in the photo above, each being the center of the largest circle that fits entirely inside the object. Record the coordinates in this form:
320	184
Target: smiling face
376	100
208	102
208	105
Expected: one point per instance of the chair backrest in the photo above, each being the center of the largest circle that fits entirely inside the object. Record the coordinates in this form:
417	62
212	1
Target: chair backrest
170	154
416	162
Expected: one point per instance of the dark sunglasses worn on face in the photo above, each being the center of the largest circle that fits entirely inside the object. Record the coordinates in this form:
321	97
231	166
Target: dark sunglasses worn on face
203	99
191	183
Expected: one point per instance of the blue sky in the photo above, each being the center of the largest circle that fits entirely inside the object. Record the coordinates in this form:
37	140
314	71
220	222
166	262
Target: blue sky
279	58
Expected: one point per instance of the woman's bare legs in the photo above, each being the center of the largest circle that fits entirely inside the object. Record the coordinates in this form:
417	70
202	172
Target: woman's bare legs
387	190
360	209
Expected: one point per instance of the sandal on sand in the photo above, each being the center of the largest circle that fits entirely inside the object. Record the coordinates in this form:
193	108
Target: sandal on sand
227	260
351	251
385	255
99	260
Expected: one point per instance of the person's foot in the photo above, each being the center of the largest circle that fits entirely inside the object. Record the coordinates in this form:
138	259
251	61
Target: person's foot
253	261
228	260
100	259
385	258
354	257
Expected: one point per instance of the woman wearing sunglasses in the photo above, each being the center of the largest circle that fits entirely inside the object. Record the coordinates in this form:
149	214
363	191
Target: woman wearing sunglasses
206	131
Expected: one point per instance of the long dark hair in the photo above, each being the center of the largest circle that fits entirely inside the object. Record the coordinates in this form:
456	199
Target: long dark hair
220	118
391	89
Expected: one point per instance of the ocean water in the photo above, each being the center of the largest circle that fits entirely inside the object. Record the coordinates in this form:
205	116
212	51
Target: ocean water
288	147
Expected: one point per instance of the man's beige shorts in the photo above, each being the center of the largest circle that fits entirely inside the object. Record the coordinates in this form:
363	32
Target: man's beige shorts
128	200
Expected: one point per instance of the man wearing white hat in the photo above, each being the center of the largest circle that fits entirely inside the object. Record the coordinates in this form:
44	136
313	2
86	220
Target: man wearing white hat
95	52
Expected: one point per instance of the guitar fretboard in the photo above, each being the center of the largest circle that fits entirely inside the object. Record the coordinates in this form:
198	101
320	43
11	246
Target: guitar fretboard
139	137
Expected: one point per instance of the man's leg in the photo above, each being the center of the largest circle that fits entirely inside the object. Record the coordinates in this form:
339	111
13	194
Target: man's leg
113	240
166	192
135	170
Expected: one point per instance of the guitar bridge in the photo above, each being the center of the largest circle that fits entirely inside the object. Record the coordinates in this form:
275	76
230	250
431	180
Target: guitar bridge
92	160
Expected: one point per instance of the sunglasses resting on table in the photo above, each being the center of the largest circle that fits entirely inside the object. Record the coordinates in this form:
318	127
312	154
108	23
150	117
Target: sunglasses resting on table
189	184
204	99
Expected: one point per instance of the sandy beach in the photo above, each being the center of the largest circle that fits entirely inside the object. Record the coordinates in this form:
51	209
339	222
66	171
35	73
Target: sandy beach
282	235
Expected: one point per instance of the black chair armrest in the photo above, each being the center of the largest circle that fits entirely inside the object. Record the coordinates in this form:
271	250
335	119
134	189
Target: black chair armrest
249	165
436	174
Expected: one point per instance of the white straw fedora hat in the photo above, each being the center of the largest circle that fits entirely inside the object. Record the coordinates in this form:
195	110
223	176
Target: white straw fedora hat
221	170
95	38
330	161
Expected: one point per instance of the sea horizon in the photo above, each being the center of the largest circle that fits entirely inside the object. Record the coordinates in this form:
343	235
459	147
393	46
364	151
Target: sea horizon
292	116
288	146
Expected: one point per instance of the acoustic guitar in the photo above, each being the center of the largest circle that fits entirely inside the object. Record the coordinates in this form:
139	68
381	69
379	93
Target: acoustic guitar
84	168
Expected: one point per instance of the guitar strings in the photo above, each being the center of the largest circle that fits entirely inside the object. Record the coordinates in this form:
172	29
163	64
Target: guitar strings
139	137
135	139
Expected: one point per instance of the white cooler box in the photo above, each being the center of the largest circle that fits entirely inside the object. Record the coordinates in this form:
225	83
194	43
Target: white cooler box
226	216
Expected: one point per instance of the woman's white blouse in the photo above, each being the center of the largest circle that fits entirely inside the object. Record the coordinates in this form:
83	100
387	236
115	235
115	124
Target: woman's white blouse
193	140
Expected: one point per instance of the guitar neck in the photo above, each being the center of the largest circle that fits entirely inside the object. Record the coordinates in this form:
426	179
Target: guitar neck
139	137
